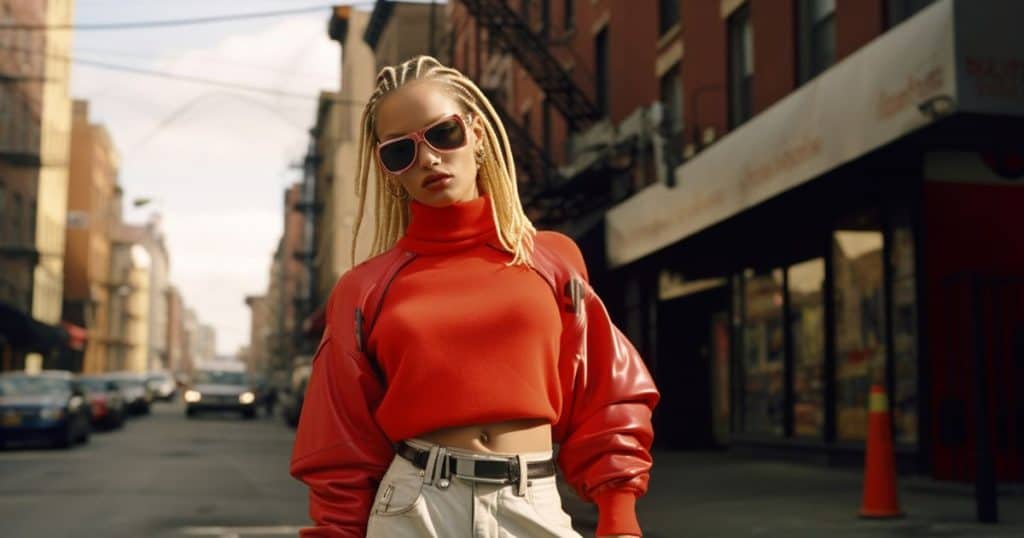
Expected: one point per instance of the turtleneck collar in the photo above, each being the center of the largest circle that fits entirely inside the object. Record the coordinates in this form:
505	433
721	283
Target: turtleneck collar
435	230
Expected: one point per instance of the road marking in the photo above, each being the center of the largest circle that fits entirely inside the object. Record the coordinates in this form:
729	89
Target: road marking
237	532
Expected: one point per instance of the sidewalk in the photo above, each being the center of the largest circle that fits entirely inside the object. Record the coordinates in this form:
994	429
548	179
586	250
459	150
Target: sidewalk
720	495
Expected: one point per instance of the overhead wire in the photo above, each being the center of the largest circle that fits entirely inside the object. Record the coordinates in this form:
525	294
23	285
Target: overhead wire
175	22
188	78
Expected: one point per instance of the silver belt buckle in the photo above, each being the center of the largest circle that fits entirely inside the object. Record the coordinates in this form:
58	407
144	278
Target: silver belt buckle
463	469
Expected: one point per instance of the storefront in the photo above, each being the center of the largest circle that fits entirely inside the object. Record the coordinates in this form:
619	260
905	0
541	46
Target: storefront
863	230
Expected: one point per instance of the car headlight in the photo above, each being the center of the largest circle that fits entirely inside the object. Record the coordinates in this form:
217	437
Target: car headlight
51	413
193	396
246	398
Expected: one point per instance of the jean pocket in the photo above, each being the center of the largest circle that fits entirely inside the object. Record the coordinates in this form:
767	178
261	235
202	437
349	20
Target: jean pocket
399	490
547	503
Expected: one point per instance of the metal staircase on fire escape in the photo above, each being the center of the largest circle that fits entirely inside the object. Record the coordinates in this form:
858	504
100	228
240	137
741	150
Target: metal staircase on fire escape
514	34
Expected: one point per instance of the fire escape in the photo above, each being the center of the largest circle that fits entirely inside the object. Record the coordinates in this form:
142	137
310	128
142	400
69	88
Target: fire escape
514	35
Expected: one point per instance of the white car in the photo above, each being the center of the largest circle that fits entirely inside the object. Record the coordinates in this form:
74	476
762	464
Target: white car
162	385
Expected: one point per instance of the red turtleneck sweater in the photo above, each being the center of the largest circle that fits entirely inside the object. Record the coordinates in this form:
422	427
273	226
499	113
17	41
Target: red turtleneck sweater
462	337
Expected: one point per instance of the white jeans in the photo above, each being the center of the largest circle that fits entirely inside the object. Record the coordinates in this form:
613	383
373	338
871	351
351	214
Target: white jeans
411	502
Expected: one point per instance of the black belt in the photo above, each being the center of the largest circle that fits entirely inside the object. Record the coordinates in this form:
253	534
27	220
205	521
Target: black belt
505	470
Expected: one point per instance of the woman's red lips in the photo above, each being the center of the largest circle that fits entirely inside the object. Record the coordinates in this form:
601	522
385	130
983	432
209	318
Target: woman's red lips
435	178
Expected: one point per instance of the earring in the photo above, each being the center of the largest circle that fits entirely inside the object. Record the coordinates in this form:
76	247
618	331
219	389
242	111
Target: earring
390	185
479	155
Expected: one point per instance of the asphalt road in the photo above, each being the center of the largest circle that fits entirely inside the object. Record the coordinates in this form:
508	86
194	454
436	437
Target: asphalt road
162	476
218	475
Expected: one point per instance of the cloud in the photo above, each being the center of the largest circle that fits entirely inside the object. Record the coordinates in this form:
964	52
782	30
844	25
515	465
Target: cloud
215	160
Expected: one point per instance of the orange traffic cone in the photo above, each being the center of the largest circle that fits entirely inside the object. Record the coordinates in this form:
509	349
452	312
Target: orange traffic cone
880	498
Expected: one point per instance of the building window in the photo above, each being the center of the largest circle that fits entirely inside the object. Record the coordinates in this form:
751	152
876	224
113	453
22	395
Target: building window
547	129
904	329
570	15
3	211
805	287
672	124
526	123
478	50
817	39
763	351
545	17
668	15
860	323
492	44
31	224
16	218
741	66
898	11
601	70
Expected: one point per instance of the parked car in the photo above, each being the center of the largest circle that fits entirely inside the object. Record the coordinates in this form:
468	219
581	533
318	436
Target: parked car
220	389
49	407
294	394
163	385
106	400
137	395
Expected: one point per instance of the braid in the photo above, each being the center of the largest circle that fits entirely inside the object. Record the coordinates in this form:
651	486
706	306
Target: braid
497	174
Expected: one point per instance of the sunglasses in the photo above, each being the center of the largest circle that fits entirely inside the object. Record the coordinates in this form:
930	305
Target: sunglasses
445	135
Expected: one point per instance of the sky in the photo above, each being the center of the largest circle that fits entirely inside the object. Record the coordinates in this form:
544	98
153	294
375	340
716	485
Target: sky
215	162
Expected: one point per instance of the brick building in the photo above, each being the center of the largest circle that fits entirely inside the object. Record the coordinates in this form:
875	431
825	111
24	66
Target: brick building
783	203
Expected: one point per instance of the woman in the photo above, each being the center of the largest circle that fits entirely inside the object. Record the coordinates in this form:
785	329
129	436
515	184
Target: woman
470	342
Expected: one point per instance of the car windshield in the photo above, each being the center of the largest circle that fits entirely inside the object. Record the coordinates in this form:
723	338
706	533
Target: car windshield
218	377
30	386
93	384
129	383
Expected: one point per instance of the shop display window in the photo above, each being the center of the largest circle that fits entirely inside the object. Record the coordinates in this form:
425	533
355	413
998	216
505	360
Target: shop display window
806	284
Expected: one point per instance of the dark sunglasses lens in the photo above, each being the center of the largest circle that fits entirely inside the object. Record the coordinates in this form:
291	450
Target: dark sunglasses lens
446	135
397	155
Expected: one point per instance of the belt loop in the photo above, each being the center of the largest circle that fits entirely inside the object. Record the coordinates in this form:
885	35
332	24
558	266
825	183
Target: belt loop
522	475
444	481
428	476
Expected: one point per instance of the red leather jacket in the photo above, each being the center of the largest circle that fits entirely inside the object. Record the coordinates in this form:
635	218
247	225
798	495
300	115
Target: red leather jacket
604	427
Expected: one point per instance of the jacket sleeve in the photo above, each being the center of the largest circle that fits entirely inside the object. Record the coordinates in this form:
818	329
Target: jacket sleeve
605	431
340	452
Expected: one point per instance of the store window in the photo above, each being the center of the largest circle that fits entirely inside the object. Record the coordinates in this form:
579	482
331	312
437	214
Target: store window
904	330
763	353
806	287
721	348
859	323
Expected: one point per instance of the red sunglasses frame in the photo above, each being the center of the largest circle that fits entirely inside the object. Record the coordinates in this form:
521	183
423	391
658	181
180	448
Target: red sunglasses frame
417	137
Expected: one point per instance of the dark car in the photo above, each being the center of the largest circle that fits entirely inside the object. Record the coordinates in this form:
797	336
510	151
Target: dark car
47	407
220	390
106	401
137	395
293	396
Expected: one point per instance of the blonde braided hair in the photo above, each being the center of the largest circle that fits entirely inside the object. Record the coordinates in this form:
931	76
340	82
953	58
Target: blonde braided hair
497	173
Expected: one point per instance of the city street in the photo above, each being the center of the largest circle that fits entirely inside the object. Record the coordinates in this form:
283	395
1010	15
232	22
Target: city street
162	476
771	249
218	475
